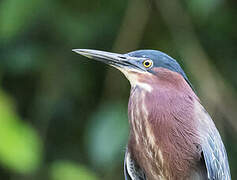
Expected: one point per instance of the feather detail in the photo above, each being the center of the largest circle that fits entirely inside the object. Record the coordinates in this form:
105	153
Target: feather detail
213	149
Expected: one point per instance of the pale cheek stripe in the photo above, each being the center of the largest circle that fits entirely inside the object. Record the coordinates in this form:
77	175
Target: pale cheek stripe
133	79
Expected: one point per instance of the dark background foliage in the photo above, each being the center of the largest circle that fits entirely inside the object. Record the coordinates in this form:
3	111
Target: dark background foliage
64	117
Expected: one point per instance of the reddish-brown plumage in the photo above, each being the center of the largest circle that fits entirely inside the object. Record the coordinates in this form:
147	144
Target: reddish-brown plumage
164	129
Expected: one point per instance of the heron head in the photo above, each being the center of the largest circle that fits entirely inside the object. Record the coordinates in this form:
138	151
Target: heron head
140	67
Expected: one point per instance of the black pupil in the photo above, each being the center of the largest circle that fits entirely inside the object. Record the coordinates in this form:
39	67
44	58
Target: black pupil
147	63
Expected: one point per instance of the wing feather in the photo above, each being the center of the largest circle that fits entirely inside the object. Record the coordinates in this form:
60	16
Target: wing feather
213	149
131	169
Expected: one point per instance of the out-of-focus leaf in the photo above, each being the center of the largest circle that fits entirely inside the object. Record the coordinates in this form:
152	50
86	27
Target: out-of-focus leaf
107	134
20	147
82	30
201	8
15	14
66	170
22	59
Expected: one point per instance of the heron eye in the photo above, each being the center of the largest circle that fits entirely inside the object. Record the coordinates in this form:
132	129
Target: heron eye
147	63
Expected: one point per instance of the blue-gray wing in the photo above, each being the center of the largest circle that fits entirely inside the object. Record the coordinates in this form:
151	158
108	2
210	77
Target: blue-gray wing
214	152
131	170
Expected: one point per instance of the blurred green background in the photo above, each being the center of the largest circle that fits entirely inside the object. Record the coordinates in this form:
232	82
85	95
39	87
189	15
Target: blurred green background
64	117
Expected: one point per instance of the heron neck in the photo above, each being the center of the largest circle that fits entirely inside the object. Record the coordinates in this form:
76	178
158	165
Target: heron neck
161	122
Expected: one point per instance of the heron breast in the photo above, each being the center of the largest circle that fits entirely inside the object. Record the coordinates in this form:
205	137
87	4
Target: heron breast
145	146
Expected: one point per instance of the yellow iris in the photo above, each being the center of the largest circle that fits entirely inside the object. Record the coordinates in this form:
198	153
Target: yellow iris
147	63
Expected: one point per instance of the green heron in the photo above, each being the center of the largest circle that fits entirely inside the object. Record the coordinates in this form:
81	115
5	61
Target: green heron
172	137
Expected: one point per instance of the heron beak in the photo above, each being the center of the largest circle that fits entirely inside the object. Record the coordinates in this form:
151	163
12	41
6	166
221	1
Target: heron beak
119	61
